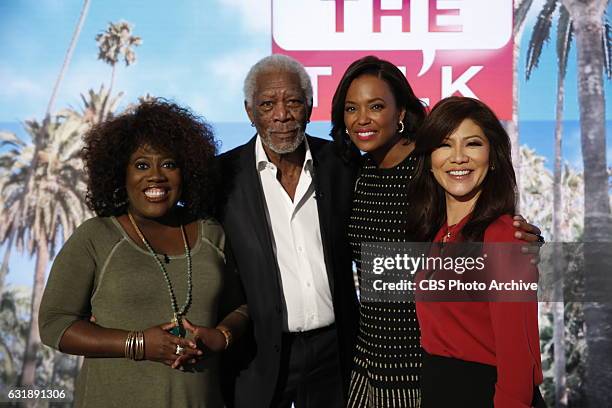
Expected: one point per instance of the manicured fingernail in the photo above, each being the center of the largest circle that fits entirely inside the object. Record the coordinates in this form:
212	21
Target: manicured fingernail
516	223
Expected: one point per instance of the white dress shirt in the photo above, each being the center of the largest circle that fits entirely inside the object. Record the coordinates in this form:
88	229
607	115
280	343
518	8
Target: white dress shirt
297	244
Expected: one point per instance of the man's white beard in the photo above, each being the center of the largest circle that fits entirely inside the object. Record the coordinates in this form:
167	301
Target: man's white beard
286	148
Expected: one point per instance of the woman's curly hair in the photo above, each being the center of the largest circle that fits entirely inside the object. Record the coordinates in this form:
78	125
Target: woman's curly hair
163	126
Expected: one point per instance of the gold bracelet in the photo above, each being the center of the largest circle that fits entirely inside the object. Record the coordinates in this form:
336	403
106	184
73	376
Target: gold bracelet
227	334
129	345
139	353
134	346
142	348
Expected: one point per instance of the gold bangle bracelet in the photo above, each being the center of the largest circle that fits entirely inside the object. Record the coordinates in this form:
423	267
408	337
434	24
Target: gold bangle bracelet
134	346
128	345
139	353
227	334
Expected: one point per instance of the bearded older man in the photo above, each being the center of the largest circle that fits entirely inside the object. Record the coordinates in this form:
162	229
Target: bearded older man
285	207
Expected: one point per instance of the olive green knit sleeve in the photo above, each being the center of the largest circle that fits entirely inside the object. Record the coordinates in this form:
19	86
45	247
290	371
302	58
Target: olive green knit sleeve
67	294
232	295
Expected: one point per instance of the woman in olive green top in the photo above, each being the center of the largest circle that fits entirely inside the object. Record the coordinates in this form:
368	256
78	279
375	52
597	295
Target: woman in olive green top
151	268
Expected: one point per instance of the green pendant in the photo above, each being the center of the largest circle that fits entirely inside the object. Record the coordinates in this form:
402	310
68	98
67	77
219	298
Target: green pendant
178	331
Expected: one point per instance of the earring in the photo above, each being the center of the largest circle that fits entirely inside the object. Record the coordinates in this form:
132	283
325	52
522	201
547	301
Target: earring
252	124
119	197
492	168
401	125
346	131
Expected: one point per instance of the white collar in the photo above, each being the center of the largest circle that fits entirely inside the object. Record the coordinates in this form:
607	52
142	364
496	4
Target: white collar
262	161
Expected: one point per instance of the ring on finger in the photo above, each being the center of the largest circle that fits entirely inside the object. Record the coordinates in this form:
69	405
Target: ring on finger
179	350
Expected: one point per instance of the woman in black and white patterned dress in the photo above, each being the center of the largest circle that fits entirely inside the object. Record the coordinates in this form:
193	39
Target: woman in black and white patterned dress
375	110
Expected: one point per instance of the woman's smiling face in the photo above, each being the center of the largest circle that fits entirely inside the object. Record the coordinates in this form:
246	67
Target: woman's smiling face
461	163
371	115
153	182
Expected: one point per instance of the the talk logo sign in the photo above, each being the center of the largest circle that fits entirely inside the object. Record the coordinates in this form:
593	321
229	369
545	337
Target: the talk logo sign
445	47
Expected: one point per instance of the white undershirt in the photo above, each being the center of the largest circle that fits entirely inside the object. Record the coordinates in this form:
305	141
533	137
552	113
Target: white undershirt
297	245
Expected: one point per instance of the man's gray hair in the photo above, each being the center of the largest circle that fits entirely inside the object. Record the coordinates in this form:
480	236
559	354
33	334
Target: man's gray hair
276	62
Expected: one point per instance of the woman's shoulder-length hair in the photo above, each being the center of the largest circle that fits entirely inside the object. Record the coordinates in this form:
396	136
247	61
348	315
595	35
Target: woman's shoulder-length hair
498	196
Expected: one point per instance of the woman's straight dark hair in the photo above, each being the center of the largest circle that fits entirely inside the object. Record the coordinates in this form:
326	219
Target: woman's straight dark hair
402	92
498	196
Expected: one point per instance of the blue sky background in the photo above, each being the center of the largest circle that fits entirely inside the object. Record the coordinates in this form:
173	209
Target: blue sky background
197	53
193	51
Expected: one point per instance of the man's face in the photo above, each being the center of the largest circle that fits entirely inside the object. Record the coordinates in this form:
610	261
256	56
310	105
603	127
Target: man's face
279	111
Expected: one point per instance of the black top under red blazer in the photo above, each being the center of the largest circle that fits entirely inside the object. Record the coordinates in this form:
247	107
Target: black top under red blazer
242	213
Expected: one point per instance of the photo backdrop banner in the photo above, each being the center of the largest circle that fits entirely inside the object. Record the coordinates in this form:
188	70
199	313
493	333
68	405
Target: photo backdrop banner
444	47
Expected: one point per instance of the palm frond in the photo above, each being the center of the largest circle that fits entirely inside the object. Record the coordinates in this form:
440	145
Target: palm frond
42	185
97	106
539	36
565	35
607	47
10	139
520	13
116	40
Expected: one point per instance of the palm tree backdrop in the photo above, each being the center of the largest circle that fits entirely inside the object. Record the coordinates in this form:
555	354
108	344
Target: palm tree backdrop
68	58
520	10
15	154
42	196
540	35
28	222
592	60
116	41
5	166
97	106
589	26
42	184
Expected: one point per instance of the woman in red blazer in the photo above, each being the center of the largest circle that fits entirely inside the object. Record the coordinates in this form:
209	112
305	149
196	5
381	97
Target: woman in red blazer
477	353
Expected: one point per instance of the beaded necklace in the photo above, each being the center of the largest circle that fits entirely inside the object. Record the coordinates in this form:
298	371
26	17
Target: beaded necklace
178	329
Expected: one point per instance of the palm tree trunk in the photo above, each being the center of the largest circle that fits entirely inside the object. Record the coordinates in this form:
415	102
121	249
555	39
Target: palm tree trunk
112	81
588	22
103	111
558	305
28	371
512	127
5	263
68	57
8	364
557	203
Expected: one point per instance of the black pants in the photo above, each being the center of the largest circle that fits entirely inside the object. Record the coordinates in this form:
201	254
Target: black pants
309	376
449	382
